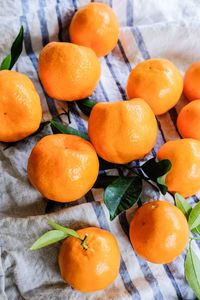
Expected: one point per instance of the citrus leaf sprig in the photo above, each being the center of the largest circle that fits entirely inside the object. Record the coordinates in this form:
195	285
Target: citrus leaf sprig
192	261
192	270
57	234
16	49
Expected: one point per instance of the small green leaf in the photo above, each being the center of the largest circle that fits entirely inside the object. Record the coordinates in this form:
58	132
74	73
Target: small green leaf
61	128
122	194
16	50
5	65
183	205
156	171
104	180
194	217
48	238
66	230
86	105
192	271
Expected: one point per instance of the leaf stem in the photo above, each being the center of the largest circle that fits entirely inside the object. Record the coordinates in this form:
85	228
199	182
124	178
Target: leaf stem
69	232
194	238
83	243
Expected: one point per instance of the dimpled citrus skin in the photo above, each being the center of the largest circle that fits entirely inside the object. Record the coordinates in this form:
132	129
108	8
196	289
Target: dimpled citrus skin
184	176
92	269
20	108
192	82
63	167
122	131
159	232
188	121
96	26
68	71
158	82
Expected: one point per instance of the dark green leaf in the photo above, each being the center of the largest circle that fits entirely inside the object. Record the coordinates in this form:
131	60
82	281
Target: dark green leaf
183	205
86	105
122	194
192	271
5	65
194	217
17	47
16	50
157	171
61	128
105	165
66	230
103	181
48	238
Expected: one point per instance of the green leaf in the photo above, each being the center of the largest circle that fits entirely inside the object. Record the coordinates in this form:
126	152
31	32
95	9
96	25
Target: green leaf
157	171
5	65
16	49
192	271
196	230
183	205
104	180
61	128
161	184
66	230
48	238
122	194
194	217
86	105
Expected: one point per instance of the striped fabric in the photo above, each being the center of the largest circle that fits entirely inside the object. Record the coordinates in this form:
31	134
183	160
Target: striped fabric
148	29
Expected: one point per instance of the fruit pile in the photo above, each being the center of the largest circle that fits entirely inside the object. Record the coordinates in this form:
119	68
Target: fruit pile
64	167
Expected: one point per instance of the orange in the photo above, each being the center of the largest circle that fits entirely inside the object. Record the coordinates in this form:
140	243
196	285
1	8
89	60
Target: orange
159	232
68	71
96	26
122	131
20	107
192	82
188	121
63	167
184	176
158	82
92	269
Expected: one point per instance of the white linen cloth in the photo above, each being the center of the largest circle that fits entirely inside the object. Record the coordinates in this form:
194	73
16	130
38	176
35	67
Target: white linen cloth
154	28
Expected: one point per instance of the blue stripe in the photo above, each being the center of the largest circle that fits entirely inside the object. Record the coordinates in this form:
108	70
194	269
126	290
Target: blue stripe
121	90
124	55
34	60
103	91
60	27
25	6
170	275
129	13
43	25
